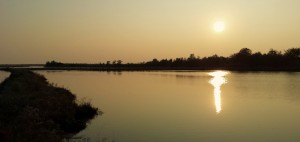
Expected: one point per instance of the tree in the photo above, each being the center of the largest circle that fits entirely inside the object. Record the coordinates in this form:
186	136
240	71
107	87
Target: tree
293	52
245	52
192	57
119	62
242	58
273	52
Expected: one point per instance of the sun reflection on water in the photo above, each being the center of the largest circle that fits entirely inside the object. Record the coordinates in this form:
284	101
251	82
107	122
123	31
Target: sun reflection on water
217	81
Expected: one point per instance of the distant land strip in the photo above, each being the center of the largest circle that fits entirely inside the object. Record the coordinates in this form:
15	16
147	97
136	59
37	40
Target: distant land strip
244	60
21	65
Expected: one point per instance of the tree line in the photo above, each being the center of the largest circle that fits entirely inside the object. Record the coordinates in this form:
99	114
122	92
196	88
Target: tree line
245	59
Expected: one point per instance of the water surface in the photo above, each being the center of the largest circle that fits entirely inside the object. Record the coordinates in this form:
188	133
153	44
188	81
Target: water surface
188	106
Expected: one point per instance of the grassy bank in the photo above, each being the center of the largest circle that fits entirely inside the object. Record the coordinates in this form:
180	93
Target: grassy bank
32	110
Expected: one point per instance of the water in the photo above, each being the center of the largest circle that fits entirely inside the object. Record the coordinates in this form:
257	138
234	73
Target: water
3	75
188	106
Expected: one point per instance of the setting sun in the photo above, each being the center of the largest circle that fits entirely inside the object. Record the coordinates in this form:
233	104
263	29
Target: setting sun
219	26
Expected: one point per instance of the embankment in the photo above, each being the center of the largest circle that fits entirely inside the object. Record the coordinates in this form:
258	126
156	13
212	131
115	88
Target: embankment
33	110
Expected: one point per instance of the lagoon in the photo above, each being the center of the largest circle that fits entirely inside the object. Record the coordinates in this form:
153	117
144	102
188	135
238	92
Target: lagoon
188	106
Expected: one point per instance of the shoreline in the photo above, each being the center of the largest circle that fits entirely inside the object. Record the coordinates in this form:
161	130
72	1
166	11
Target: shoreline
120	69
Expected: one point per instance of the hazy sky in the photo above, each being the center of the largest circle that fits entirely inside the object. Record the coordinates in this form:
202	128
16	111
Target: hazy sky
36	31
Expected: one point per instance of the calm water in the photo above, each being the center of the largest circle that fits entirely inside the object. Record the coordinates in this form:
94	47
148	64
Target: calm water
189	106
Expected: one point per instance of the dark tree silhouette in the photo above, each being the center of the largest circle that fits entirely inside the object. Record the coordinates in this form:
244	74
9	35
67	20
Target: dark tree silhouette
242	60
293	53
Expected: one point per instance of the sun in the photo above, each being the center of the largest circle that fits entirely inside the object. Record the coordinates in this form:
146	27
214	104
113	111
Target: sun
219	26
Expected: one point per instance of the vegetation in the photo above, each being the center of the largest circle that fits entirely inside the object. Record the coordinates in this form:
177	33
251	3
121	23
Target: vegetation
32	110
242	60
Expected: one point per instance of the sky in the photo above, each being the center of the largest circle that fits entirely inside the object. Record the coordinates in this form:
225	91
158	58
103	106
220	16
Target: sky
93	31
